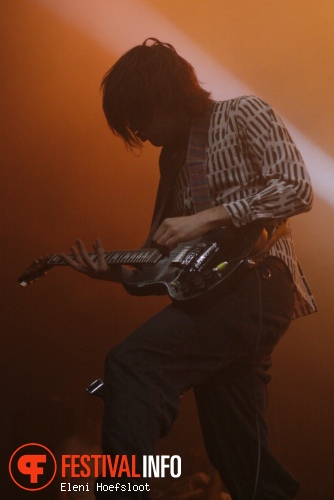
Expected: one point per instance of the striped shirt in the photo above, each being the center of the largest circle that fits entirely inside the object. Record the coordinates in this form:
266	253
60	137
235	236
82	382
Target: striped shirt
256	172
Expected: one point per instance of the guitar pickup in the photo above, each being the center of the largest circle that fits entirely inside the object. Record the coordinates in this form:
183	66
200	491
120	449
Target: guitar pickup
179	260
195	256
202	259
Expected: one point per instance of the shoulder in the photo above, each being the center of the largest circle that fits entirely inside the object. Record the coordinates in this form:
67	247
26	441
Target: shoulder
237	115
246	104
246	113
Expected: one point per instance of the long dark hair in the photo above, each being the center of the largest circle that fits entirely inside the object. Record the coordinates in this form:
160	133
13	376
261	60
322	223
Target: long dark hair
147	78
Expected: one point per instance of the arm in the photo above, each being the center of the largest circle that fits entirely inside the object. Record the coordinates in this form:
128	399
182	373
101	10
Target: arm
282	184
174	230
98	270
272	176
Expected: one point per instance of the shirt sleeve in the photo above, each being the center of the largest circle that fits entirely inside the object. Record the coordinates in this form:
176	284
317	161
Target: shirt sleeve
281	186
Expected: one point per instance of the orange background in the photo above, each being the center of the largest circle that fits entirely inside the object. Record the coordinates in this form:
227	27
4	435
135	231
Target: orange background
65	176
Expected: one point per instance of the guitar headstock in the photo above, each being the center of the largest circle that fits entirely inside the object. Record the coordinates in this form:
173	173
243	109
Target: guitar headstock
35	271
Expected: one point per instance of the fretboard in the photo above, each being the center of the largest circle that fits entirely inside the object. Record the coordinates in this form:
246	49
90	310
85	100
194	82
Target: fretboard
148	256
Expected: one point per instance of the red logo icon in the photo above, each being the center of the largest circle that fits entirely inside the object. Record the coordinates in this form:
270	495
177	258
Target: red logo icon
32	467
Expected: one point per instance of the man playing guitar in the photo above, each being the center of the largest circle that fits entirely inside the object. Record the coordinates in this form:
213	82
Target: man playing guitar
225	166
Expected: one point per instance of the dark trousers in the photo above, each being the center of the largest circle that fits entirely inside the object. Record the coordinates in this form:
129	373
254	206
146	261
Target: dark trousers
220	346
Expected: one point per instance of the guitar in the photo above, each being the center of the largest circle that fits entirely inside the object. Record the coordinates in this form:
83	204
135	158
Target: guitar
190	270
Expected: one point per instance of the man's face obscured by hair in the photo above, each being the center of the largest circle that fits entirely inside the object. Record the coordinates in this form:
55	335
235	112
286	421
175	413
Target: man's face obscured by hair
166	128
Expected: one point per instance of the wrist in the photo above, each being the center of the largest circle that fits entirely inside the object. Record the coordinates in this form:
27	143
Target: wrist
218	217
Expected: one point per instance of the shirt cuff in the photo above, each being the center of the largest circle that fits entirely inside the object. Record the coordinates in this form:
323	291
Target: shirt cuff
239	212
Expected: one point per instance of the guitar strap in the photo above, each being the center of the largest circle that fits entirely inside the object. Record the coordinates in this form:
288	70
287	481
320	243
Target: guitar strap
266	241
197	162
197	171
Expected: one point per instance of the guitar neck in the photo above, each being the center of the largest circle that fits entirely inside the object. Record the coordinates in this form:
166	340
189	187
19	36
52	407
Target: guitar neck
148	256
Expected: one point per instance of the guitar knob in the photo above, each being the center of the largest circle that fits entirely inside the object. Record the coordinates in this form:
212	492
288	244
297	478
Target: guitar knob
198	282
207	274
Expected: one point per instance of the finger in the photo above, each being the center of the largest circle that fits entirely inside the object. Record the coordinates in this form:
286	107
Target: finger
75	260
158	234
77	256
71	261
166	240
170	244
97	245
162	234
85	258
164	244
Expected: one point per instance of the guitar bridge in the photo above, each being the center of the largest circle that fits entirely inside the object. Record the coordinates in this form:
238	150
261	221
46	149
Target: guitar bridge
202	259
